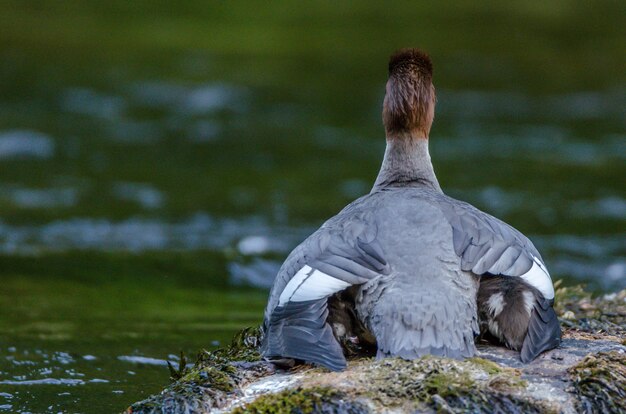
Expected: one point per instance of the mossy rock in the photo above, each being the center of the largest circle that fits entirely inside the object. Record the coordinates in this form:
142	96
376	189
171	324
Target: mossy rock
304	401
599	382
215	378
448	385
578	310
586	374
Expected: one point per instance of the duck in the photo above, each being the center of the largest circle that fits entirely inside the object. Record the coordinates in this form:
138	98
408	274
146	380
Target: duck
407	271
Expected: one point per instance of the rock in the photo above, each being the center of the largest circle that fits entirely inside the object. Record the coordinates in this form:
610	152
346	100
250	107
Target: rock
587	373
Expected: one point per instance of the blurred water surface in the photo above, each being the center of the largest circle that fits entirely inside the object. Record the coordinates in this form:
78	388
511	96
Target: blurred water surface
158	161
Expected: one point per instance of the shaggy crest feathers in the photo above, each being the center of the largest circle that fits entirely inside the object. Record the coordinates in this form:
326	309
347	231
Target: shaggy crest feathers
411	59
409	101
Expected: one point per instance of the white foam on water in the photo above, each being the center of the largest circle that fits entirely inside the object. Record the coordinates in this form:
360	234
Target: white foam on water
199	231
45	381
143	360
63	358
254	245
23	362
25	144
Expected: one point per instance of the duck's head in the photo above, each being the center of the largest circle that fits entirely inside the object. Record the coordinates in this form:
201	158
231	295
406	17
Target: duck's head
409	106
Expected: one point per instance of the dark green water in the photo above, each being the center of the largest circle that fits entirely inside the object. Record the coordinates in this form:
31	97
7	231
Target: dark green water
157	162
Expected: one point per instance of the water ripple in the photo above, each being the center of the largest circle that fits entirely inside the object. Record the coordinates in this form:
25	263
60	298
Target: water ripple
200	231
25	144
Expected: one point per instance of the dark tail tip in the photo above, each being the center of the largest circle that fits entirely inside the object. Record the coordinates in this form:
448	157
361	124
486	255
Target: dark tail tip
298	330
410	58
544	331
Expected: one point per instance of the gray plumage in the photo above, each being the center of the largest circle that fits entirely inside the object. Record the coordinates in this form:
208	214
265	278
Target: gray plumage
486	244
411	259
417	255
427	303
415	298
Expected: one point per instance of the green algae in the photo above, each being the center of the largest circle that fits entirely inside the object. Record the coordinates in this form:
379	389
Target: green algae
303	401
420	379
243	348
448	385
489	367
176	374
220	377
212	379
599	383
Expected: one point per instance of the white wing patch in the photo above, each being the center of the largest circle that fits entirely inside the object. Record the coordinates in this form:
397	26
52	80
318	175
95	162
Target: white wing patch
539	278
310	284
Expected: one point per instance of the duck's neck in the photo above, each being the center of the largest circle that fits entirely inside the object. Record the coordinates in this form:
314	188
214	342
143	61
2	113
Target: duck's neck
406	163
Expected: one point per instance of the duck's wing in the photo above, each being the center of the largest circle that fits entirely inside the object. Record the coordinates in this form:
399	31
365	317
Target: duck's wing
488	246
344	252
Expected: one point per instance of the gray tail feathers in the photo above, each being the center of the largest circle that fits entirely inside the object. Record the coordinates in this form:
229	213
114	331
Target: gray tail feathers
544	331
299	330
409	324
411	353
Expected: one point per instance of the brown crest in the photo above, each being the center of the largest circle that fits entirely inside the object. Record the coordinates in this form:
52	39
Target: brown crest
409	101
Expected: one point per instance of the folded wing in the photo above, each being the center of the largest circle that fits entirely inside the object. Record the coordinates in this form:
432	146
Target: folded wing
487	245
340	254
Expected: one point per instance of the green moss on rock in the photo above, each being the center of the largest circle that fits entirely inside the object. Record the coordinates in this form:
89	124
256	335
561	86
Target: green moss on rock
428	384
599	382
448	385
221	377
489	367
213	378
243	348
303	401
419	379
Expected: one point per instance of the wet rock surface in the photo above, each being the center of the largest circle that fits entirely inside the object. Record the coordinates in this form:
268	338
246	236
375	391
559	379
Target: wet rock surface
587	373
